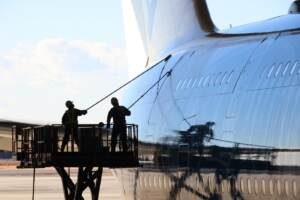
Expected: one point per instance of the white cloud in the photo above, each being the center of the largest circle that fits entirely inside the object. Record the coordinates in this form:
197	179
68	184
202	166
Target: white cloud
35	80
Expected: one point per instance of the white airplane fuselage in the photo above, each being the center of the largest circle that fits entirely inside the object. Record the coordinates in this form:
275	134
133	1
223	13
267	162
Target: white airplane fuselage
224	124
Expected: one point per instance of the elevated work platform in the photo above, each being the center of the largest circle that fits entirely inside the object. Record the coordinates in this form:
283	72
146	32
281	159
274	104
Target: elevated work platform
38	147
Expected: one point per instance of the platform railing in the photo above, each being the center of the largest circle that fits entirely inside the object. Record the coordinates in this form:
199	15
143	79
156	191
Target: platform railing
35	146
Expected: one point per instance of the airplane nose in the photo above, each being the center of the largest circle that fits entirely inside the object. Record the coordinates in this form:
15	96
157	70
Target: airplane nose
295	7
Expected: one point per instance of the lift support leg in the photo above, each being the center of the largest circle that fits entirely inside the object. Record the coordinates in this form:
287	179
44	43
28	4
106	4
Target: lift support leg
86	178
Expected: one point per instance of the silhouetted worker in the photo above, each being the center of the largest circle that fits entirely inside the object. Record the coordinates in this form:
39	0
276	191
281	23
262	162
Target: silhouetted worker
70	121
118	114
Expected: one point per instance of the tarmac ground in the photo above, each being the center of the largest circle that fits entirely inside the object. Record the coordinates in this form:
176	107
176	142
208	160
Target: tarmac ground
17	184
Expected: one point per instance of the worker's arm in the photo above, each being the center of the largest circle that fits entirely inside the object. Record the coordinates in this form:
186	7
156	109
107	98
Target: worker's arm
81	112
126	111
109	116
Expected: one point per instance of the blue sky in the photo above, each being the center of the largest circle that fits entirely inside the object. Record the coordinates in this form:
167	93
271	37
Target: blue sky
237	12
54	50
34	20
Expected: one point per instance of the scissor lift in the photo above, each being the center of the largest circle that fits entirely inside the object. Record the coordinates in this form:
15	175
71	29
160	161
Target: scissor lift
39	147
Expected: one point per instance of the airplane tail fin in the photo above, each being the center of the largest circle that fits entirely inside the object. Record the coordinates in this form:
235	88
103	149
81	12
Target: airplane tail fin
165	25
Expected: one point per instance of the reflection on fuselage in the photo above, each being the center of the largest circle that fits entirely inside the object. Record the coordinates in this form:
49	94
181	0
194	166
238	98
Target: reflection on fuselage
223	125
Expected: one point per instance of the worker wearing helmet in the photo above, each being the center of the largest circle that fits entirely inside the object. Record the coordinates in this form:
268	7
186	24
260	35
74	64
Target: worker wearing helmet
118	114
70	122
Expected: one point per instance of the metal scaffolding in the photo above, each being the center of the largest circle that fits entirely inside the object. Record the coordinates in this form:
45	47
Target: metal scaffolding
39	147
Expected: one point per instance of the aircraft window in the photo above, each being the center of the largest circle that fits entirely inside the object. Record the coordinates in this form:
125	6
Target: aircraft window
270	71
197	186
205	82
256	187
242	186
214	83
286	68
152	179
200	81
217	79
167	182
178	85
211	183
145	181
278	70
195	81
295	188
264	73
164	182
294	68
249	186
206	181
224	78
228	187
211	81
161	182
298	70
183	84
158	182
224	186
188	83
286	188
230	77
263	186
140	182
271	187
235	185
278	187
